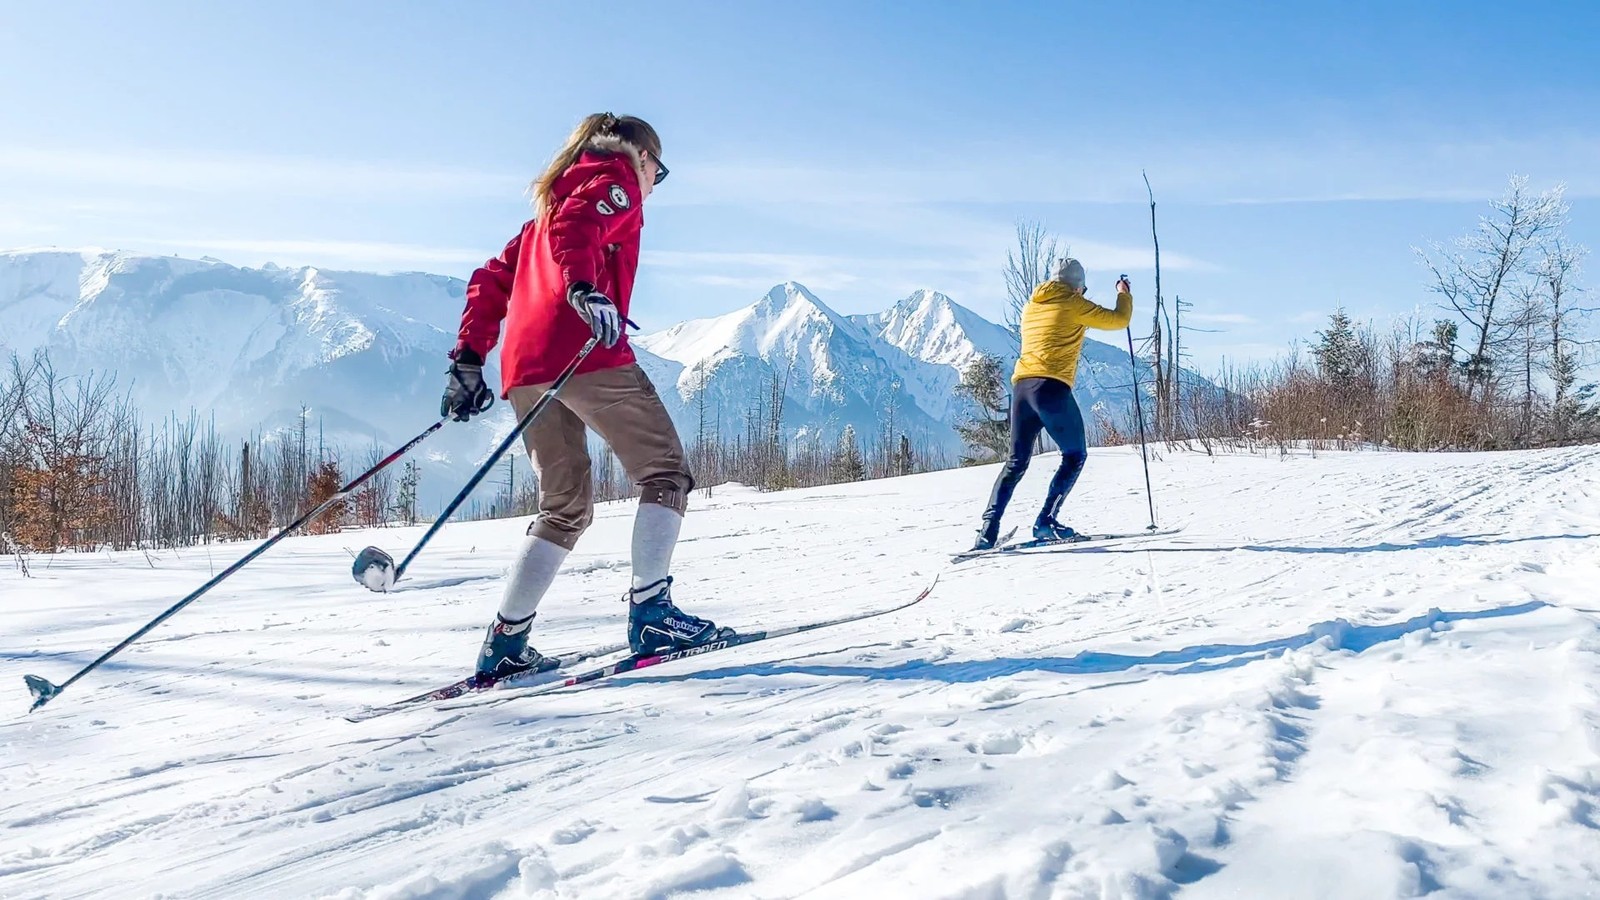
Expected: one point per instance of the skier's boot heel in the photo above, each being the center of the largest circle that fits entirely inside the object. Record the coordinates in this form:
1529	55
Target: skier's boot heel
506	651
1051	530
988	535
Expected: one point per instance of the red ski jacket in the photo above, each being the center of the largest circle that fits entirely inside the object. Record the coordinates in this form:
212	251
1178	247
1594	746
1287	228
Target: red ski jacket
591	234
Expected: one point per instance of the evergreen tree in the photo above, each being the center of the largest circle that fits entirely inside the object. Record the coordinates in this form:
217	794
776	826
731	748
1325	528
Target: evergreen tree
1436	358
406	500
1339	351
987	428
848	464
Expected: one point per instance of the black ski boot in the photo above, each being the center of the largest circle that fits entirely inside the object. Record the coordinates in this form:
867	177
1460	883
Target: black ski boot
506	651
988	534
655	625
1051	530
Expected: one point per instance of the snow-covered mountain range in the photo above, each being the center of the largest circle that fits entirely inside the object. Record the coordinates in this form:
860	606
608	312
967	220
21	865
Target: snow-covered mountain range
250	347
849	369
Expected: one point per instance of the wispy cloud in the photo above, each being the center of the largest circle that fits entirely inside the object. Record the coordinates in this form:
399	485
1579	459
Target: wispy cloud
959	255
1212	356
757	271
356	254
754	284
1364	168
1310	167
1221	318
1122	257
308	176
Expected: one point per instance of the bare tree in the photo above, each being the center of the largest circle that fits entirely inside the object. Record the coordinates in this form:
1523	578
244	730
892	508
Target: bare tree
1477	274
1161	347
1028	265
1529	319
1557	272
702	381
888	429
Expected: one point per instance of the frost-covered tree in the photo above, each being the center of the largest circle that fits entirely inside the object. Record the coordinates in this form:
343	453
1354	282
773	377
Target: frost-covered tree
1478	273
1557	273
1436	357
1339	351
848	464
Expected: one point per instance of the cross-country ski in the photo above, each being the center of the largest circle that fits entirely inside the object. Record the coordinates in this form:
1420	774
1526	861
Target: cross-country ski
550	674
1006	545
546	671
740	638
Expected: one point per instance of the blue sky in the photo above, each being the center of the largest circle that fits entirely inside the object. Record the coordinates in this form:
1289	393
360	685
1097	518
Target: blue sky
865	149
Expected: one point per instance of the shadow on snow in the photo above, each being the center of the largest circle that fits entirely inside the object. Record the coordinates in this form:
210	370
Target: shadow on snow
1199	658
1434	543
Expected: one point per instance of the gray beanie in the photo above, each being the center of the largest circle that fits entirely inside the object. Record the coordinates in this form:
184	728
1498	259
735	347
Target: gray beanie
1070	273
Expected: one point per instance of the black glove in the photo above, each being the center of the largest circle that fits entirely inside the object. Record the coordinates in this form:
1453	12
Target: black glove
465	394
605	322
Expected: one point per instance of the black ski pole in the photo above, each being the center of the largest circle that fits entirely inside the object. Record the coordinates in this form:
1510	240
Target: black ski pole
375	558
1138	412
44	691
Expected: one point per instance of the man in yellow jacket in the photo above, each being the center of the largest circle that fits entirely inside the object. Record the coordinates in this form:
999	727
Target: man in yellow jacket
1053	325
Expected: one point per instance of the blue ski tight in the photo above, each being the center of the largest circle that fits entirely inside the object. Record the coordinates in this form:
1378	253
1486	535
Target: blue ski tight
1039	404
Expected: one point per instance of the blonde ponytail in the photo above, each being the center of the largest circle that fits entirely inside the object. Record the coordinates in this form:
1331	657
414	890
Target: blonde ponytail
630	129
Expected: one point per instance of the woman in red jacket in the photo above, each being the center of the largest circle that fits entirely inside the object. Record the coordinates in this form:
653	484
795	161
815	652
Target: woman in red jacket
567	276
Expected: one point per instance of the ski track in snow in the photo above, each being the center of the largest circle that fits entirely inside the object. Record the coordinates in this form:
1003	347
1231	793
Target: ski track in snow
1354	675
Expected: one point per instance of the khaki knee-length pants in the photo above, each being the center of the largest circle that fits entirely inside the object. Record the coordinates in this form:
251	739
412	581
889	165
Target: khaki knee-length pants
622	406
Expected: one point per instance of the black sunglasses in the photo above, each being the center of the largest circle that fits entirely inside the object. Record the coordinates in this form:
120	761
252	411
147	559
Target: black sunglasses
661	169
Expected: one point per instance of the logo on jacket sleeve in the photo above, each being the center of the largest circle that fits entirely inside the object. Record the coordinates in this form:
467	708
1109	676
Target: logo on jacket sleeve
620	197
604	208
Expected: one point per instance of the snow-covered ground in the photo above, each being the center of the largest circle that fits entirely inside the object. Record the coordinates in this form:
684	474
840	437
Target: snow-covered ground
1360	675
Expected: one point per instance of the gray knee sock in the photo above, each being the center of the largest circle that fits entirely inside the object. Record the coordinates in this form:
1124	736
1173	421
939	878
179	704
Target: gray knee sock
531	576
655	534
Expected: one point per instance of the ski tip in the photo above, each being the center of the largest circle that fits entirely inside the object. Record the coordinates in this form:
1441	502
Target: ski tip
999	544
43	690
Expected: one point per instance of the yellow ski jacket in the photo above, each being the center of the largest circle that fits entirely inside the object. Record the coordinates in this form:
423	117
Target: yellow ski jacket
1053	323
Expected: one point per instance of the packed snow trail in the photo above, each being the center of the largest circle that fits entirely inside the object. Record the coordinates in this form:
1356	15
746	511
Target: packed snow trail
1355	675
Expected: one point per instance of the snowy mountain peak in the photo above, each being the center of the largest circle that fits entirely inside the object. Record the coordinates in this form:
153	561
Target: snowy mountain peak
932	328
784	295
785	322
924	298
844	369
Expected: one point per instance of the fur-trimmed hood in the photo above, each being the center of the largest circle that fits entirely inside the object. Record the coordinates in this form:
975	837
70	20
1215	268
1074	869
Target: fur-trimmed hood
612	145
603	155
